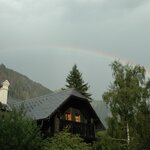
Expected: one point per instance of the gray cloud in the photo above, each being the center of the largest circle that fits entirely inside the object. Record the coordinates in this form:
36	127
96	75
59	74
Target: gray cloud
119	27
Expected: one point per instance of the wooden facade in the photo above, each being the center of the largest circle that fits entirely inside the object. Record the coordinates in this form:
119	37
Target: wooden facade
77	115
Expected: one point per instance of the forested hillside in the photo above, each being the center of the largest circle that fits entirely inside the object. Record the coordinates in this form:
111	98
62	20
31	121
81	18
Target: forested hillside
21	87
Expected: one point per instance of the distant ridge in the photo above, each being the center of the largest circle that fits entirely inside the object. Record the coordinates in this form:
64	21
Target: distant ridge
21	87
102	110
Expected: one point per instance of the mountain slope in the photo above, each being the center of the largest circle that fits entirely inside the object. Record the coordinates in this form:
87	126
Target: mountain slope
21	87
102	110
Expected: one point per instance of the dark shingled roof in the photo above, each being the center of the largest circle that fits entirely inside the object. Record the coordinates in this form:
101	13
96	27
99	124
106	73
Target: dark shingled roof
43	106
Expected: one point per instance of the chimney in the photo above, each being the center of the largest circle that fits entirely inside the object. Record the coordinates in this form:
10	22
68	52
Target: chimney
4	92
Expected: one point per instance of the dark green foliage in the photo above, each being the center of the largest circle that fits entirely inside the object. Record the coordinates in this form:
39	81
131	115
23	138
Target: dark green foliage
127	98
65	141
18	132
75	80
105	142
21	87
143	126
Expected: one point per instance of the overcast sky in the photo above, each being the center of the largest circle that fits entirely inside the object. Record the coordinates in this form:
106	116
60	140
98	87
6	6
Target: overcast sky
43	39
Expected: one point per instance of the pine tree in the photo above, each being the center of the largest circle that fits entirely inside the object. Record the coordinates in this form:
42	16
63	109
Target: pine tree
75	80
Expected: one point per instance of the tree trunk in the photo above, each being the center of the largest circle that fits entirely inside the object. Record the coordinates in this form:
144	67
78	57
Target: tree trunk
128	136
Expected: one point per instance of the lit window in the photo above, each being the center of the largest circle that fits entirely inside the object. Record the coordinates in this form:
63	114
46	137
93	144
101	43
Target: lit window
77	118
68	116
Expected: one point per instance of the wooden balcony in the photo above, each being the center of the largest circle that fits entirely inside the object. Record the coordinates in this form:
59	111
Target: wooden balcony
85	131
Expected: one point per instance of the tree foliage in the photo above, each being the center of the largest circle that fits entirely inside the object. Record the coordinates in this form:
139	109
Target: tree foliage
67	141
18	132
105	142
75	80
127	98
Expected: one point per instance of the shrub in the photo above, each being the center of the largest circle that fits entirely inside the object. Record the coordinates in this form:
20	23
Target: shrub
17	132
67	141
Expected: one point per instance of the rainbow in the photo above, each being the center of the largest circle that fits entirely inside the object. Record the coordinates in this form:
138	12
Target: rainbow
96	53
86	51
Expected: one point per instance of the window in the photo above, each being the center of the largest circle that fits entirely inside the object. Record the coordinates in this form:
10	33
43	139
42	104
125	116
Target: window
68	116
77	118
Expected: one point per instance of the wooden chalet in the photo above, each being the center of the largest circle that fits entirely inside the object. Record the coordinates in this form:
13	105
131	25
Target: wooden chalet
63	109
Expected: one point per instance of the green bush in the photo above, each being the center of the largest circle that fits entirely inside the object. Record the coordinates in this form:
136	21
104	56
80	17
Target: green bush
18	132
105	142
65	141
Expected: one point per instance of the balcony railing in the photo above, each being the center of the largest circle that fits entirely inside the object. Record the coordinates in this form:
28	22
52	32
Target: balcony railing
86	131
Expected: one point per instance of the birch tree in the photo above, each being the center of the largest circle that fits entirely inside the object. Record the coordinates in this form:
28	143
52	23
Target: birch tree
128	92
